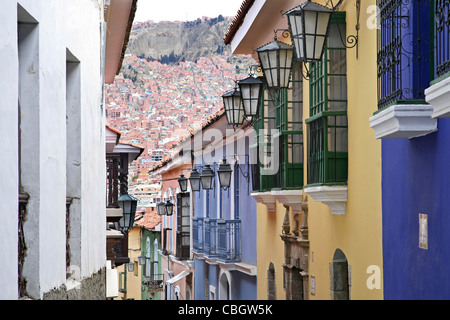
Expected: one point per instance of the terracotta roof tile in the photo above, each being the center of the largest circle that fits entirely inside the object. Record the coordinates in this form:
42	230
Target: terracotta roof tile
149	220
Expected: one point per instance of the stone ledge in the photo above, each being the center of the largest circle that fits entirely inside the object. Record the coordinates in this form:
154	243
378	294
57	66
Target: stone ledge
266	198
334	197
404	121
438	96
291	198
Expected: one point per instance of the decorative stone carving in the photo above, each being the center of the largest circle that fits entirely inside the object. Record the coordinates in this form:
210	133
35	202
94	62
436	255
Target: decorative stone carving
296	253
286	222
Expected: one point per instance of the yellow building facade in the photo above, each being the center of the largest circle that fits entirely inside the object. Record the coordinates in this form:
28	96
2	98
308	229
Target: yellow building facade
342	247
130	282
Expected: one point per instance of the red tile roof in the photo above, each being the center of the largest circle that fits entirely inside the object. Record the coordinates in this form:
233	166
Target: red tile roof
149	220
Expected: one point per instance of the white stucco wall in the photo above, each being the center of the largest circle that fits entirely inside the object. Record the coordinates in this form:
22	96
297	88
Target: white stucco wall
61	25
9	145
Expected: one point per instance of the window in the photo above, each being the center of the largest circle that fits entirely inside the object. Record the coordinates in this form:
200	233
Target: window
147	269
278	150
289	126
442	36
404	47
327	125
339	277
264	124
183	226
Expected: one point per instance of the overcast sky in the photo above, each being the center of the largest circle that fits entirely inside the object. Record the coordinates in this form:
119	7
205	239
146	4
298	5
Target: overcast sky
184	10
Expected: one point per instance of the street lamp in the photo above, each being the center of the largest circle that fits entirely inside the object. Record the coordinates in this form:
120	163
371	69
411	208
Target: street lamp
194	179
128	205
161	209
224	173
182	181
141	260
168	208
251	89
207	177
276	62
308	25
234	109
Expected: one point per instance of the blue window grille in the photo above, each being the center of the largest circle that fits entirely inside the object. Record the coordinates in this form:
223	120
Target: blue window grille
229	240
442	37
210	248
404	51
197	234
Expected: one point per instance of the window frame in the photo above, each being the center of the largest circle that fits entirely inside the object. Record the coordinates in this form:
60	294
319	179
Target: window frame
183	230
275	115
405	64
327	165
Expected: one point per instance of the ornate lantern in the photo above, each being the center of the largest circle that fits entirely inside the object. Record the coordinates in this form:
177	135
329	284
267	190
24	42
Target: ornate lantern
128	205
251	89
276	63
234	109
308	25
194	179
224	173
207	177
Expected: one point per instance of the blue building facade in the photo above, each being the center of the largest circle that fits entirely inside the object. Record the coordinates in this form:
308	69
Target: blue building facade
414	65
224	224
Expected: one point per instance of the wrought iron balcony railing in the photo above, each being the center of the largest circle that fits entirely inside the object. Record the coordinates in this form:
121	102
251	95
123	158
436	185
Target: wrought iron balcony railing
197	235
229	240
217	238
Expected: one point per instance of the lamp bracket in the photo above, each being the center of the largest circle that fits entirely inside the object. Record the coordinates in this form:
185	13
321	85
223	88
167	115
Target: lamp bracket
285	33
254	70
352	40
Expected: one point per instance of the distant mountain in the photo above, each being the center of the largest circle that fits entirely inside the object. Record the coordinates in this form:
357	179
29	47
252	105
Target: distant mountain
172	42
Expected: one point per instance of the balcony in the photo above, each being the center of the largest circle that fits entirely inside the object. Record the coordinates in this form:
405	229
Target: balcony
215	238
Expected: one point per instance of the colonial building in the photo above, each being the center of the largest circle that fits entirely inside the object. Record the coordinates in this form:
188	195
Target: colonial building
412	123
56	56
319	187
224	222
175	249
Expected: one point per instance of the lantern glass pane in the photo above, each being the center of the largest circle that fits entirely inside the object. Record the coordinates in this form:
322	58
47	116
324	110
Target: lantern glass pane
169	208
195	184
132	215
322	23
310	47
319	46
246	92
266	66
256	91
252	108
296	28
225	179
285	64
238	112
121	223
206	182
182	181
310	22
161	209
126	220
274	63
